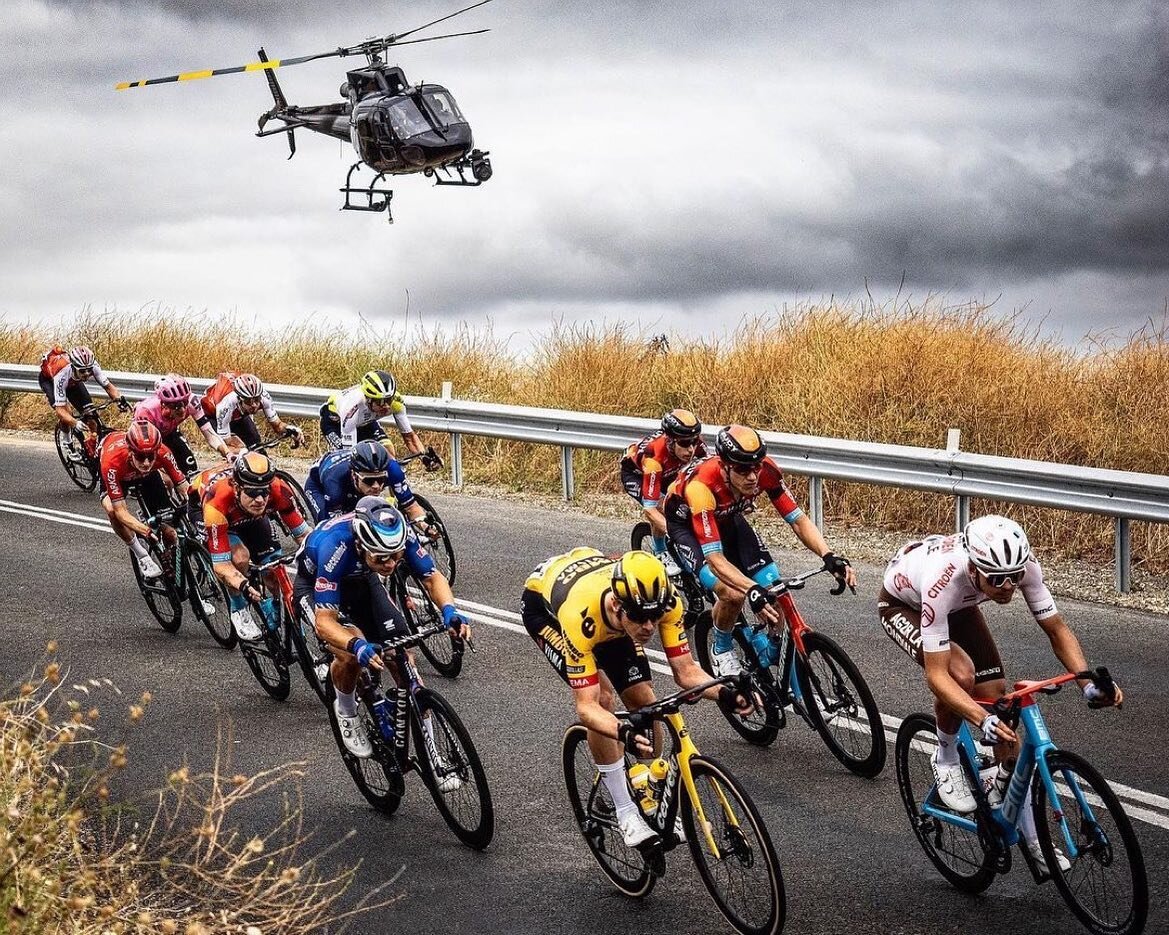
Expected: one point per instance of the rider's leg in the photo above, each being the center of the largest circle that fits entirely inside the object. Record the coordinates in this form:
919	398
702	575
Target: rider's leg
949	722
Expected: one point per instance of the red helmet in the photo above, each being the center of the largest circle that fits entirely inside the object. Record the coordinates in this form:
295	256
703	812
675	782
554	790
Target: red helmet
143	437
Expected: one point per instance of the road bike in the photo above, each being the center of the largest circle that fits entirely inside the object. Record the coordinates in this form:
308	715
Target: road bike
692	594
445	756
438	541
722	827
281	628
80	456
1075	811
809	672
284	537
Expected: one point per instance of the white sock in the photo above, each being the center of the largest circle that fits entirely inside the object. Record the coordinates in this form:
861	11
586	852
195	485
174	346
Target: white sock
138	547
346	703
613	776
1027	820
947	748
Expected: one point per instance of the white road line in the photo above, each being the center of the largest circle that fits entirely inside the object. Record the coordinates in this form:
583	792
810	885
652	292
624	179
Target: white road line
509	620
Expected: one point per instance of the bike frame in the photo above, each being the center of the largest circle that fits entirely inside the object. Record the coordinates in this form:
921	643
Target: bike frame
404	696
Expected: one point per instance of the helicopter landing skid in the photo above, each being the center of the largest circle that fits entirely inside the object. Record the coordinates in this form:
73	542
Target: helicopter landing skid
372	202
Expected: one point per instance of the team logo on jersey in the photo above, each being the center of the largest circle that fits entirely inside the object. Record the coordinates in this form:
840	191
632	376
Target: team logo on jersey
324	584
582	682
927	615
335	558
903	632
945	579
902	583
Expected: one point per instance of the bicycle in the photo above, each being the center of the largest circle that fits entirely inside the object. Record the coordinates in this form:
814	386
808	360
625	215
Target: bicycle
281	632
187	576
810	672
81	461
1085	817
439	544
449	764
726	836
692	594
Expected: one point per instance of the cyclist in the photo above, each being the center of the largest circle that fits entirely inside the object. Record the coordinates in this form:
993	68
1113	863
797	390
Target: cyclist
351	415
237	500
62	379
651	465
706	519
233	400
341	478
168	407
133	459
591	616
929	606
338	572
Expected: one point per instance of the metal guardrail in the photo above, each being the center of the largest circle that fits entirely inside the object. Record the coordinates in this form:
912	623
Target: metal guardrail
1123	495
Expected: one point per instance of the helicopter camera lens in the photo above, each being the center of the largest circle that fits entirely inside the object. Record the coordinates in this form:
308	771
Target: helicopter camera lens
481	169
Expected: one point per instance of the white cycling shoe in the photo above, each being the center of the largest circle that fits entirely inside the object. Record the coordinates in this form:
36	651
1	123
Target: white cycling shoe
1041	862
634	830
208	608
353	734
952	787
672	569
149	567
725	664
245	625
446	781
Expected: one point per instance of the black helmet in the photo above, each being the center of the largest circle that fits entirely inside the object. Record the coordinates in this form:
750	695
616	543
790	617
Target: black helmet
738	444
252	469
681	423
370	457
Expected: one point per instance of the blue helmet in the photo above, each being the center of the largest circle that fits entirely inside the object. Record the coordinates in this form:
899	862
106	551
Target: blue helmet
379	527
370	457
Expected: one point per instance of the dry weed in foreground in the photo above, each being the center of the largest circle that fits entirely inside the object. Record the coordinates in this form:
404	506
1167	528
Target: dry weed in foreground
72	862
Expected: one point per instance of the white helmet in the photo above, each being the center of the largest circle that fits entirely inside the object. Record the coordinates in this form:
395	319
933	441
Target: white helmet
996	545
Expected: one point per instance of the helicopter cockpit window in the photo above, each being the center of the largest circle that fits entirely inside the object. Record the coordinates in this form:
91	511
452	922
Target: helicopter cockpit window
444	108
407	119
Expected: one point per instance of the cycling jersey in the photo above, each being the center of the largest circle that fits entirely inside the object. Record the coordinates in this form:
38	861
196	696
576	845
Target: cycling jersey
222	511
329	554
652	466
933	576
220	404
573	587
56	369
703	493
352	409
118	470
331	489
151	410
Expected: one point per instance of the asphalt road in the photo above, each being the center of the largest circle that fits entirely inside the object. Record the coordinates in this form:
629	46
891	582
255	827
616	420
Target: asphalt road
850	861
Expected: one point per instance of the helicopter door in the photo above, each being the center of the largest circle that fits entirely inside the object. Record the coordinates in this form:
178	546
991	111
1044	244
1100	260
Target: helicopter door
365	140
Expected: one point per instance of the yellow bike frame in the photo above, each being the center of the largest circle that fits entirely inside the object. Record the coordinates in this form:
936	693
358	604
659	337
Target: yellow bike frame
686	750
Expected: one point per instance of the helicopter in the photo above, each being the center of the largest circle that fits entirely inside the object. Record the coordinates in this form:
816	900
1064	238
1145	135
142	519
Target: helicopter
396	128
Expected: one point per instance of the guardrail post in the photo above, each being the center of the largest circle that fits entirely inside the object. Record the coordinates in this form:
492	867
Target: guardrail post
456	443
567	481
961	503
816	500
1123	555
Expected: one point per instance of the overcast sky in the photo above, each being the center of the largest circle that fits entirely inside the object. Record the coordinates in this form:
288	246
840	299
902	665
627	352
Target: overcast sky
674	163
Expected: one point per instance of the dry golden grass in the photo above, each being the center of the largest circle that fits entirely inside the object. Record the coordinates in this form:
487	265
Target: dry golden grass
71	861
898	374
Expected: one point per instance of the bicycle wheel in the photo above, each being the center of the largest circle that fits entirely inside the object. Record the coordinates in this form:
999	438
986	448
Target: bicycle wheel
840	706
957	853
733	851
378	778
266	657
159	593
203	585
440	549
442	650
761	727
77	464
314	659
1106	887
457	782
596	817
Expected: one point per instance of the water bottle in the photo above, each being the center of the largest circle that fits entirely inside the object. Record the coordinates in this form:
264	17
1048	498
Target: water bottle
639	780
383	710
268	611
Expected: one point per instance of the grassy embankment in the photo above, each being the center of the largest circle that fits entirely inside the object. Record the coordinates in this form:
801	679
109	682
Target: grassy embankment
71	861
900	376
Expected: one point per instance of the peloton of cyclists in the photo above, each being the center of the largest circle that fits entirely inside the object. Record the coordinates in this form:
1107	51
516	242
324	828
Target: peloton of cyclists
339	571
168	407
705	511
351	415
62	379
649	467
231	403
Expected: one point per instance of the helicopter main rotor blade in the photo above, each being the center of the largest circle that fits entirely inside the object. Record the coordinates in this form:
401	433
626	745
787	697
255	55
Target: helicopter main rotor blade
449	35
213	72
393	40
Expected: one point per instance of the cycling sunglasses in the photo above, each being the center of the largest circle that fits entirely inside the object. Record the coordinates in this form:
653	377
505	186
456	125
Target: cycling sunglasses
367	480
257	492
999	580
385	557
746	470
686	442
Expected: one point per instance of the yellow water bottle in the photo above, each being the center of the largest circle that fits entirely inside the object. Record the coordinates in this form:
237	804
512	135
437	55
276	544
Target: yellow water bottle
639	780
658	769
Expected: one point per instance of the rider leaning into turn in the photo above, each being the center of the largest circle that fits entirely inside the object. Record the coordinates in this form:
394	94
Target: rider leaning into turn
341	478
591	616
231	403
62	379
706	519
928	606
339	571
649	467
168	407
134	459
351	415
234	502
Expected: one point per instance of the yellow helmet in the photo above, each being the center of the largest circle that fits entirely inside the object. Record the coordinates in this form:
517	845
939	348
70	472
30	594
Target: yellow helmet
642	587
378	385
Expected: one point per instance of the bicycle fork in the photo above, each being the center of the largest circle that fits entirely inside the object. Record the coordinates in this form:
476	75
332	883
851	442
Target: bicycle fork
681	764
